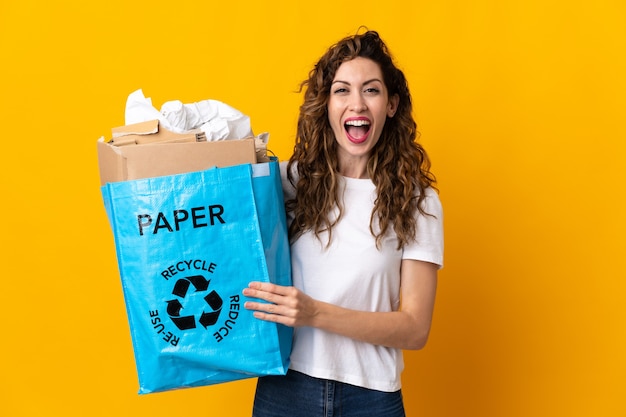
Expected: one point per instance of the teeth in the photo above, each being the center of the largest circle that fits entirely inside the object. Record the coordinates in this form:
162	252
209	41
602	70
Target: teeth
357	123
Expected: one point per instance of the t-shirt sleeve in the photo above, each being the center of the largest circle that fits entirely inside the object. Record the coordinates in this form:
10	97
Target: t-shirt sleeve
428	245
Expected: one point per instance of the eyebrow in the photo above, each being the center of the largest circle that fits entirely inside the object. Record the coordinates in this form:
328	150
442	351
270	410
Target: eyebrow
365	83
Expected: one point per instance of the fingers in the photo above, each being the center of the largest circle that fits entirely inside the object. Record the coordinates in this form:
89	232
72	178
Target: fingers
268	287
271	293
275	318
270	312
274	305
263	292
262	307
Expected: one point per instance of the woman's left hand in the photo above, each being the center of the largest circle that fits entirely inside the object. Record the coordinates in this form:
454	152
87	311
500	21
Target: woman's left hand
284	305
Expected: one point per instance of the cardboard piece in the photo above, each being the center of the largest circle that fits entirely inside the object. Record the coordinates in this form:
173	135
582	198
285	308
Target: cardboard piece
151	132
147	158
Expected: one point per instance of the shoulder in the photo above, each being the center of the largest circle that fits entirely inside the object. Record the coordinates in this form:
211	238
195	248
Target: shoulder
432	203
428	243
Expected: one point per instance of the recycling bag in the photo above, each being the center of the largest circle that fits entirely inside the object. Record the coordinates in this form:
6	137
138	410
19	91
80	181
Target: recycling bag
186	246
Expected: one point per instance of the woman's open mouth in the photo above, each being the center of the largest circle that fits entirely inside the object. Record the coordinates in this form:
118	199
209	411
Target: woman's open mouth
357	129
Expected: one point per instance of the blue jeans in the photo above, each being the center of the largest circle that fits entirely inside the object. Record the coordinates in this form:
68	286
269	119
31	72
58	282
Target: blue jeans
299	395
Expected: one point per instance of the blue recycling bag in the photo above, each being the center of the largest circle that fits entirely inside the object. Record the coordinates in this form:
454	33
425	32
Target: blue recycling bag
186	246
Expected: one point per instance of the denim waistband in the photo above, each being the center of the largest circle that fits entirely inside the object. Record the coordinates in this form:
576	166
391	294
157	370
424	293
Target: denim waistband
300	395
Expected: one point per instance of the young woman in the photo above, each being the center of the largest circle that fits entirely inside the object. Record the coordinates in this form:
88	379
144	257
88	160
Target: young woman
366	241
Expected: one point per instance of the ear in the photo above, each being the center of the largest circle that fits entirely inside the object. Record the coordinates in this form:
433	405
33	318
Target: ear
392	105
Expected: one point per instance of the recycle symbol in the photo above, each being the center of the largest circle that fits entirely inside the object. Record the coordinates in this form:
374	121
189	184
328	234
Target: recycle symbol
212	299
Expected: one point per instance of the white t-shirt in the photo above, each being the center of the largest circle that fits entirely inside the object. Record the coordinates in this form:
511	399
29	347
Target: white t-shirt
354	274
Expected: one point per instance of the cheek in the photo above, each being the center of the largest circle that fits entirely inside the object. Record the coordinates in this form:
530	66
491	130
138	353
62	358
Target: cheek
334	118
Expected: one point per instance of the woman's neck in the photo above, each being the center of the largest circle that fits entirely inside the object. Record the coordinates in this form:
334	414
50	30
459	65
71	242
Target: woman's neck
354	168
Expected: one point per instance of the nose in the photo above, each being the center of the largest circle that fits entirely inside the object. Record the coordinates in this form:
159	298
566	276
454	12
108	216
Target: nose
358	104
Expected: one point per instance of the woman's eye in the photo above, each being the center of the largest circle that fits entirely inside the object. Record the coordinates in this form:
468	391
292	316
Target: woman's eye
340	90
372	90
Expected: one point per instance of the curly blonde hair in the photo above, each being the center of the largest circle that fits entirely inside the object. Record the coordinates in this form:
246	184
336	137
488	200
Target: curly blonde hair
398	165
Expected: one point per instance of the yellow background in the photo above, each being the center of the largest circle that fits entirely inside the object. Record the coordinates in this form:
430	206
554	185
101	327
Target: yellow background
521	107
